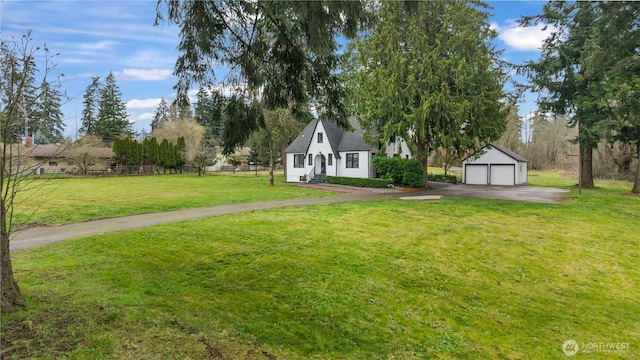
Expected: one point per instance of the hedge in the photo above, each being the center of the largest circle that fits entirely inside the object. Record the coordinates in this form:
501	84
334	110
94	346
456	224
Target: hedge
404	172
359	182
443	178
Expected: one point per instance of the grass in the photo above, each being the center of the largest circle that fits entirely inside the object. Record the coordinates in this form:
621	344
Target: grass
64	201
452	279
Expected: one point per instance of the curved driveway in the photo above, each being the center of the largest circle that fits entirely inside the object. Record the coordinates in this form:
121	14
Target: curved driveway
43	235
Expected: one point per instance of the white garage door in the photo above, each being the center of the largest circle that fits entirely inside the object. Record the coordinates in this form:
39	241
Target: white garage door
503	174
476	174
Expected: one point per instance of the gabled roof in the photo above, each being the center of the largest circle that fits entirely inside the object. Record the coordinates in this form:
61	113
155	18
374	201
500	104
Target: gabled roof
339	139
502	149
301	143
509	153
353	141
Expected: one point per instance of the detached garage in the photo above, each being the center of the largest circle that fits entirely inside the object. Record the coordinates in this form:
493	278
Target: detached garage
496	165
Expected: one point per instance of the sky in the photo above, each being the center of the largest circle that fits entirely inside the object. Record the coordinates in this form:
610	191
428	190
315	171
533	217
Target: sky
94	38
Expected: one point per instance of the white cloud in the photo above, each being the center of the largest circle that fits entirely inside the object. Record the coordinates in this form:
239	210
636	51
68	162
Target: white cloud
522	38
141	117
150	103
144	74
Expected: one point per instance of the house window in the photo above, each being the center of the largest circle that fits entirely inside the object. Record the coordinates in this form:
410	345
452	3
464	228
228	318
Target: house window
53	163
353	161
330	161
320	136
298	160
310	159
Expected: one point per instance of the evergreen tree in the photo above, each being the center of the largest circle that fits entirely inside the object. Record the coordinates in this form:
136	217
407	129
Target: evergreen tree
154	151
90	102
209	113
614	52
180	153
161	116
286	51
21	94
46	123
428	72
112	120
512	137
567	86
164	159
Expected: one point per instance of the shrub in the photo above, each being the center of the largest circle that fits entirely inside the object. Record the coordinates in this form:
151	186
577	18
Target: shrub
412	173
359	182
443	178
405	172
388	168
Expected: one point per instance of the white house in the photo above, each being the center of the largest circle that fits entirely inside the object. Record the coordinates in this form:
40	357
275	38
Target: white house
496	165
325	149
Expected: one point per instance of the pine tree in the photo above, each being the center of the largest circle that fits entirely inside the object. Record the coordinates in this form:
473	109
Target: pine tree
90	102
181	153
112	120
46	121
566	84
161	116
209	113
286	51
436	79
154	151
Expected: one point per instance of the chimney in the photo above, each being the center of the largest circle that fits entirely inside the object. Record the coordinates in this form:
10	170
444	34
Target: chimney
28	142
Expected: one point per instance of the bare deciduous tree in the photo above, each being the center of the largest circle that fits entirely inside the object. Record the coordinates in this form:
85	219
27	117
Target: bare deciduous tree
18	64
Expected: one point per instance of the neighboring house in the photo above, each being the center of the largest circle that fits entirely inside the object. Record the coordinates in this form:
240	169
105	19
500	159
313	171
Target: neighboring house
496	165
59	158
224	162
325	149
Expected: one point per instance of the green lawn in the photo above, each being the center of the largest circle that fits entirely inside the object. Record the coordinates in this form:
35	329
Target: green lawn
71	200
451	279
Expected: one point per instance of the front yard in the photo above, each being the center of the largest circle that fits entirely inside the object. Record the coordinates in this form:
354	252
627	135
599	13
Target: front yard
454	279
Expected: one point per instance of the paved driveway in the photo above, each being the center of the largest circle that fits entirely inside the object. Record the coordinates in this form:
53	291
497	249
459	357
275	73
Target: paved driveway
515	193
38	236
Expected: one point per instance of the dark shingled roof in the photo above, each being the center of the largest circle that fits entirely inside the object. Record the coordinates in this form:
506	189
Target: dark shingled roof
339	139
509	153
301	143
502	149
353	141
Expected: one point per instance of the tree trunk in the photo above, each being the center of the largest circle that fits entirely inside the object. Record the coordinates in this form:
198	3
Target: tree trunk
636	183
283	147
423	153
272	162
586	157
12	298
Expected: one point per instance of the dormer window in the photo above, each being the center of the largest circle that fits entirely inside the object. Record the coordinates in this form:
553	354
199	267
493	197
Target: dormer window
320	138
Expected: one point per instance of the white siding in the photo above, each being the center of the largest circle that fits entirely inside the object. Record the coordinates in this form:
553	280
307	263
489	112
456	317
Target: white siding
293	173
364	165
398	147
521	174
503	169
492	156
316	148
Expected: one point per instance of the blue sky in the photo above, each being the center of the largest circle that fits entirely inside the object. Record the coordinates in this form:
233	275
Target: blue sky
94	38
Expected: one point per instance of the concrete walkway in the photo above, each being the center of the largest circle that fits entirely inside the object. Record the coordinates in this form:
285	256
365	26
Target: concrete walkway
39	236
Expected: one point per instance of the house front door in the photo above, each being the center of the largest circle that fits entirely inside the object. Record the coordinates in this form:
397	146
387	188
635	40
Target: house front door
321	164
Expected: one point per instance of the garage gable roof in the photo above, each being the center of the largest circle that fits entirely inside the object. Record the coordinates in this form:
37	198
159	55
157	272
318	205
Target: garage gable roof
509	153
503	150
